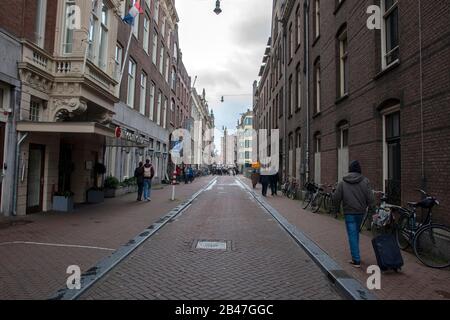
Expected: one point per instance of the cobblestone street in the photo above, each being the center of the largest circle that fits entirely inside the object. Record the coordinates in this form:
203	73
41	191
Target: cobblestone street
260	260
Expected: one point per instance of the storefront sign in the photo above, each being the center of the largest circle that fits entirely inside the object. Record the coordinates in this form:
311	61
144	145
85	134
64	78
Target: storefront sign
129	136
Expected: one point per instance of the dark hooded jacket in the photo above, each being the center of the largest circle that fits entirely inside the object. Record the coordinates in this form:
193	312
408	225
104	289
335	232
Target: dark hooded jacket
355	193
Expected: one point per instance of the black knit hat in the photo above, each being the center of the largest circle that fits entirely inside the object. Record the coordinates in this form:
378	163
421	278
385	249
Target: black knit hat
355	166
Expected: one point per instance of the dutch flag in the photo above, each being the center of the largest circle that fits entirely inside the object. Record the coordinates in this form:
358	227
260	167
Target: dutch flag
134	11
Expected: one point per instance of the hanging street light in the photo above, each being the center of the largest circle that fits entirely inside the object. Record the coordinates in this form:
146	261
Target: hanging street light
217	10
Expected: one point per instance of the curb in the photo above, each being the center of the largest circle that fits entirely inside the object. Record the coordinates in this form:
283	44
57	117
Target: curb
347	285
94	274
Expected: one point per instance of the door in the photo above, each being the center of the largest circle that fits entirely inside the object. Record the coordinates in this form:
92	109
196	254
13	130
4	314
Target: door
343	154
35	189
392	167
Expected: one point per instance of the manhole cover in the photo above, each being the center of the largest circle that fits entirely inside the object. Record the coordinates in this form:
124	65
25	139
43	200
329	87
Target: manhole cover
211	245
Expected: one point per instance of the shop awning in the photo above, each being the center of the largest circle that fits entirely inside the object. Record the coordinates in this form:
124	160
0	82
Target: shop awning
125	140
65	127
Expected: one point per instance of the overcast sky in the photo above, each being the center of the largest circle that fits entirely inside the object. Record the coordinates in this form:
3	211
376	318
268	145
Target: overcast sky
224	51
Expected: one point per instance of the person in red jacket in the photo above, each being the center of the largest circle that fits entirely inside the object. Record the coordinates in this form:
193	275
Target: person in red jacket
149	173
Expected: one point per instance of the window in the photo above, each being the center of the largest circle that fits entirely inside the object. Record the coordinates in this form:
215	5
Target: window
167	69
173	83
68	30
291	96
175	51
317	158
392	167
169	38
161	59
35	108
172	111
163	27
317	18
152	101
291	42
146	33
343	151
154	47
131	82
389	31
40	21
156	12
136	23
165	113
4	97
299	94
317	86
299	25
143	93
158	109
343	64
118	59
98	33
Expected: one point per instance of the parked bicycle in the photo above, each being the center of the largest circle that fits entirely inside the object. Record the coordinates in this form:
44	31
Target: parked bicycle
311	190
430	241
382	218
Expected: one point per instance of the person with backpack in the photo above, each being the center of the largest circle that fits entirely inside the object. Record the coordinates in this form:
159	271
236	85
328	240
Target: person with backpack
149	173
139	175
357	196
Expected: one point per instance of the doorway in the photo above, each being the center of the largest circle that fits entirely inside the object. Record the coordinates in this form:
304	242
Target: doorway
35	186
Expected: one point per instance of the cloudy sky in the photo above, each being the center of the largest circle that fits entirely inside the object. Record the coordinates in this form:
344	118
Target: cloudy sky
224	51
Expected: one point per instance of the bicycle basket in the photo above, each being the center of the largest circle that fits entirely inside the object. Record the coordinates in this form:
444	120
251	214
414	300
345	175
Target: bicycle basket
382	218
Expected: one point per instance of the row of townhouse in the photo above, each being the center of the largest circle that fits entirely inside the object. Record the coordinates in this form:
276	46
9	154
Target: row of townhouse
68	111
366	80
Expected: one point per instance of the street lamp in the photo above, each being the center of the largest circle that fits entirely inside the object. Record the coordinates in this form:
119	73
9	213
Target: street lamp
217	10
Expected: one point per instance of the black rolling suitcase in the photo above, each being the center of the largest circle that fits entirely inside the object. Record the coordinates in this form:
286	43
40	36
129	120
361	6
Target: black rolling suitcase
387	252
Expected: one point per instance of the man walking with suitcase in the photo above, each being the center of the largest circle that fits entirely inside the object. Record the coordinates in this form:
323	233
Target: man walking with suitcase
357	196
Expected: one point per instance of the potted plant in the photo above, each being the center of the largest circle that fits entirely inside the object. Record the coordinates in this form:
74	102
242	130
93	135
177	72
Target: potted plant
111	187
95	195
63	201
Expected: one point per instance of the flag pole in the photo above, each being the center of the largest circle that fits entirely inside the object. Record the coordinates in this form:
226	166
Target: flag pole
126	56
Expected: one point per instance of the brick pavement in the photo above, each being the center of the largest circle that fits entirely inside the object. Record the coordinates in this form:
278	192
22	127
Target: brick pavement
30	271
416	281
263	262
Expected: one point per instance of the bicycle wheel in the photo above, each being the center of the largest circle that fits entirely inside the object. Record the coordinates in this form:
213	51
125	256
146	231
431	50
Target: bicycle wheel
307	200
327	204
364	221
403	232
432	246
316	203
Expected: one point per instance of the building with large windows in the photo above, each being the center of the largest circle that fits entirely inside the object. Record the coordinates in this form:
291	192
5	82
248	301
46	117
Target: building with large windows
245	140
76	104
145	111
352	91
67	99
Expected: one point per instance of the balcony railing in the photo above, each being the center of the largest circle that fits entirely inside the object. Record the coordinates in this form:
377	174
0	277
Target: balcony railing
61	67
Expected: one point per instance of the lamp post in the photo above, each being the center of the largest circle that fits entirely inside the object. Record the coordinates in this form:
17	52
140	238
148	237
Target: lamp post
217	10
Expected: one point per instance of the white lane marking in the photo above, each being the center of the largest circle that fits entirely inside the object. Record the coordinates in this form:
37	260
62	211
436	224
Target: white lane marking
211	185
56	245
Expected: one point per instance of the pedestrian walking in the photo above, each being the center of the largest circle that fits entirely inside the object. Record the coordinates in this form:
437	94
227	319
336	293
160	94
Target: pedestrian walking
255	178
356	195
265	180
190	175
149	173
139	175
274	183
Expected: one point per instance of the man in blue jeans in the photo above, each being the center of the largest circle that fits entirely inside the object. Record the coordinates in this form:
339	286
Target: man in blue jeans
149	173
357	196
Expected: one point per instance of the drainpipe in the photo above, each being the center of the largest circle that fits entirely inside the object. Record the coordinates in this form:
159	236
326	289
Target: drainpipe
22	137
307	77
423	182
284	94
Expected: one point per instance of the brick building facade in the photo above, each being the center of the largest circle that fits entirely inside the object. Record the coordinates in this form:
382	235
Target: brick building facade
351	92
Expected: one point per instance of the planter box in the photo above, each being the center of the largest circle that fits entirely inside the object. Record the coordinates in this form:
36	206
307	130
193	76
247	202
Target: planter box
62	204
94	196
